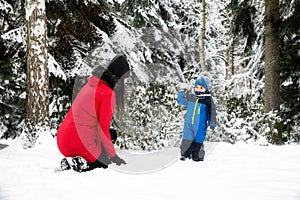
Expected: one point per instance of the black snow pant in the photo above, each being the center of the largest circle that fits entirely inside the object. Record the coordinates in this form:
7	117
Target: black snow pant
192	149
186	148
198	151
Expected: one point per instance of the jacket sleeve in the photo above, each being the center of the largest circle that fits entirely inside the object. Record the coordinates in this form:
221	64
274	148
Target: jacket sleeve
182	99
105	114
212	115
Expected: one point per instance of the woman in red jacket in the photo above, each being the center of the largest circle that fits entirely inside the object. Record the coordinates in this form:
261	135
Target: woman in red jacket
84	133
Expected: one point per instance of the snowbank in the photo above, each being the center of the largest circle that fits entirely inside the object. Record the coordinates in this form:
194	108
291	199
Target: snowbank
232	172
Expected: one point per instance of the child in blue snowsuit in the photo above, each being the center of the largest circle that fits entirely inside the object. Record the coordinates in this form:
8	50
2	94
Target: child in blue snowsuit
200	113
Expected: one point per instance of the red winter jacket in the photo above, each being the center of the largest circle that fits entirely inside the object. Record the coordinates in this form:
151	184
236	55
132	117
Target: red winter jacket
86	126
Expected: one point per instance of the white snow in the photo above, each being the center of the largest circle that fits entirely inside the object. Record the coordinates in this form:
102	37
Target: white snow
32	6
17	35
288	82
119	1
232	172
55	68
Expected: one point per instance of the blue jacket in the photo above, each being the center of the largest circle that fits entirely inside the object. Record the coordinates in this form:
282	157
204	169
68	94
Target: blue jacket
200	113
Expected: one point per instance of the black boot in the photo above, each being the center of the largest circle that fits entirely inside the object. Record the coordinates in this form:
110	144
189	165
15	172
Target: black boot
64	164
202	153
186	149
79	164
197	147
76	163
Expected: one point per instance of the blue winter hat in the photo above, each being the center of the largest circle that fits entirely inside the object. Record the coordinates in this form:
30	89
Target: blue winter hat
203	81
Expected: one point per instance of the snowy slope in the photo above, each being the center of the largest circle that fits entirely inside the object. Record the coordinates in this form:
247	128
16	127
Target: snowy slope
232	172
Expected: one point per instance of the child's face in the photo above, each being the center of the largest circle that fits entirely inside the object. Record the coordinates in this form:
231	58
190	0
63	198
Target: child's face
199	88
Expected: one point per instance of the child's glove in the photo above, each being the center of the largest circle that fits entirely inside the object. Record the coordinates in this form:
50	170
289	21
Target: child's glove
183	86
117	160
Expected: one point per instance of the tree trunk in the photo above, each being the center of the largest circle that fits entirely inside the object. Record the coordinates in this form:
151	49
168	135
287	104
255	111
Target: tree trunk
232	60
37	83
272	83
229	62
227	52
202	38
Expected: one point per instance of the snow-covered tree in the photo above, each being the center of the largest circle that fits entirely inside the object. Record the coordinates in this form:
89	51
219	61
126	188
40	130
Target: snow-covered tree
160	40
151	120
290	69
37	83
201	39
12	68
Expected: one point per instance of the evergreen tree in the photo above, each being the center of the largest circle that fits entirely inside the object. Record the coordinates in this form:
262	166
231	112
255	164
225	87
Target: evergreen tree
140	13
74	29
290	69
156	36
151	120
12	68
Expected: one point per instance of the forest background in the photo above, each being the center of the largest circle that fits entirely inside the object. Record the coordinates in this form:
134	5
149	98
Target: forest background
166	42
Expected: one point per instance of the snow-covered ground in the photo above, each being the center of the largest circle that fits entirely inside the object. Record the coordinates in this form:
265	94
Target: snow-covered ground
232	172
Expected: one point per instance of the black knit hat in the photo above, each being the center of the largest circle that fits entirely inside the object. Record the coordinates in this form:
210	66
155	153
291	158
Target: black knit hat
119	66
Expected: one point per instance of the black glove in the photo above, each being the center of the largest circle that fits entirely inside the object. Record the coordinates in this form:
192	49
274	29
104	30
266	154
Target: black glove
113	135
116	159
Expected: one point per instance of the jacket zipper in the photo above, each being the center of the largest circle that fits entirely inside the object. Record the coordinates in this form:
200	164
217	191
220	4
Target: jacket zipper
194	112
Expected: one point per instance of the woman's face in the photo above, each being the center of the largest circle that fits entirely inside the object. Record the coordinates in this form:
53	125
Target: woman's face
199	88
125	81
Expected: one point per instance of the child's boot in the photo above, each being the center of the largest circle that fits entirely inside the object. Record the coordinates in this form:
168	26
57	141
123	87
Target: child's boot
186	149
197	147
202	153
